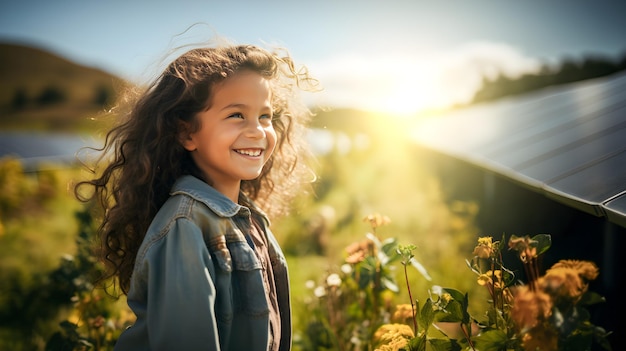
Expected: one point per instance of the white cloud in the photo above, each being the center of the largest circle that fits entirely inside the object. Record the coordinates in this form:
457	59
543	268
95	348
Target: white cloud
411	82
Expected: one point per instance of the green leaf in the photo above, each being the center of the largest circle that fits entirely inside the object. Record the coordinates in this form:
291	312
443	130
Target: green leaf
427	315
508	276
544	241
420	268
577	342
463	301
491	340
388	251
456	295
453	313
600	337
390	247
591	298
501	244
472	266
365	276
416	344
444	345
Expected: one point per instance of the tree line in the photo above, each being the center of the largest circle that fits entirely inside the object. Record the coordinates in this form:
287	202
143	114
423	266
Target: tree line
53	95
568	71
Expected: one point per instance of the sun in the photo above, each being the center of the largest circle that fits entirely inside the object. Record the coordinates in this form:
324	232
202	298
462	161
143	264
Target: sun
399	85
405	100
412	90
406	88
419	81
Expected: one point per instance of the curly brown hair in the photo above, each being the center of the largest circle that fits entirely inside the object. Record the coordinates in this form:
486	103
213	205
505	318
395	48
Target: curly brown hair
143	157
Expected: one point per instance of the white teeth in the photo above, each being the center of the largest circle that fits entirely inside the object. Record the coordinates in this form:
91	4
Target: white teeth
250	152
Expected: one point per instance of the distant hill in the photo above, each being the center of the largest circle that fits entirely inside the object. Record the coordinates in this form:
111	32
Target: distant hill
43	91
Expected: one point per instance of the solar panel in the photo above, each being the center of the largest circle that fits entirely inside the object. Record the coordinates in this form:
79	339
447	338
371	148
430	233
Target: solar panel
568	142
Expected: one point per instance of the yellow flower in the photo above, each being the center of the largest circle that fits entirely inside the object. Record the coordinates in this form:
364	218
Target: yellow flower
488	278
446	298
530	308
356	252
376	220
403	313
485	240
483	279
563	284
392	337
393	345
586	269
525	246
519	243
484	249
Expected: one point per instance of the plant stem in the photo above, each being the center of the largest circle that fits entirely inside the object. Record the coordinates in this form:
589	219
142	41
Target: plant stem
468	335
532	270
408	287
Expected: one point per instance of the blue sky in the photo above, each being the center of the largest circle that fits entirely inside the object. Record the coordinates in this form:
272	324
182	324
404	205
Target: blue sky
393	55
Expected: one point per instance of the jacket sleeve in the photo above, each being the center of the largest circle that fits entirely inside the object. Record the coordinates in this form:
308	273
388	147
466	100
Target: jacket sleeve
181	291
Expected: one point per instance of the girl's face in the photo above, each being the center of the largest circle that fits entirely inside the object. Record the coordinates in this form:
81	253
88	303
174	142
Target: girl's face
236	136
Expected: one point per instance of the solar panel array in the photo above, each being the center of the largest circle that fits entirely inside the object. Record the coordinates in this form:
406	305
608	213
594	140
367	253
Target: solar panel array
568	142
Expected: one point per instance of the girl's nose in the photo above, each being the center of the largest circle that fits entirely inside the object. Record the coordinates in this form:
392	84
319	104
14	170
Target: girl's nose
254	129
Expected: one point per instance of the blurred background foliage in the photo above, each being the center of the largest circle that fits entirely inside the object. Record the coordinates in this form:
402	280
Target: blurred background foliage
366	164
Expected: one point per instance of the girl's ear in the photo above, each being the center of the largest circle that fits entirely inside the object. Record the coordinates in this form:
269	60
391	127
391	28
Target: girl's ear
184	136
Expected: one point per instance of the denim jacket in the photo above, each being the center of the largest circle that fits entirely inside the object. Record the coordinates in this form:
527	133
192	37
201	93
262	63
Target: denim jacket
197	284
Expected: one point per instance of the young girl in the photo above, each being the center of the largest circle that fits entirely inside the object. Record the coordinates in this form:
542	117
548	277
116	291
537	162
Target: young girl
210	148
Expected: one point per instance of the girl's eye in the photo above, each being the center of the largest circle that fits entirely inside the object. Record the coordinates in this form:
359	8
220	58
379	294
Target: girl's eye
236	115
266	119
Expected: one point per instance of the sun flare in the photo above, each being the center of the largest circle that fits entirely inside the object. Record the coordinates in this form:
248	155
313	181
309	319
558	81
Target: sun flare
407	84
406	99
397	85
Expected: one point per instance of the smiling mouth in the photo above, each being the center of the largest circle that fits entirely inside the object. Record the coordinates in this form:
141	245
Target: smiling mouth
249	152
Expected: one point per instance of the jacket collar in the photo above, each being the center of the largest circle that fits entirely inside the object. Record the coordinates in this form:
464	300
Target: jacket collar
216	201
